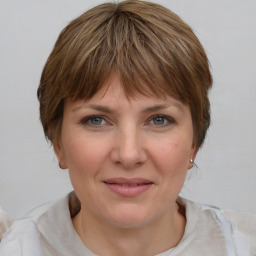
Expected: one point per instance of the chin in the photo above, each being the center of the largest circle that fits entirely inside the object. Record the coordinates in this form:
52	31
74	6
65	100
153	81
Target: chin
130	216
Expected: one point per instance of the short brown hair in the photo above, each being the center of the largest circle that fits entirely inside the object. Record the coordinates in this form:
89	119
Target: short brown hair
149	47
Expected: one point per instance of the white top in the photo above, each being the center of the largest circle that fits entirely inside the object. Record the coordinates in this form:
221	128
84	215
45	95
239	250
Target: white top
209	231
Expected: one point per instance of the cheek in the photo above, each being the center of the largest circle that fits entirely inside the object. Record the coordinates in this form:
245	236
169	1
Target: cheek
83	154
172	156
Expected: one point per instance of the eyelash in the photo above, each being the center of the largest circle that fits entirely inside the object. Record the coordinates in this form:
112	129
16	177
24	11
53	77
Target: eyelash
86	121
168	119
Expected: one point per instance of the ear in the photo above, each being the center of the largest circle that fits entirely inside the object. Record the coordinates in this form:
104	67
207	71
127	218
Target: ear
58	149
192	157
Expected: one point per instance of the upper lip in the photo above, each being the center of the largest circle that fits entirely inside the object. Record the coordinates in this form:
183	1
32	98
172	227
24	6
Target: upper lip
128	181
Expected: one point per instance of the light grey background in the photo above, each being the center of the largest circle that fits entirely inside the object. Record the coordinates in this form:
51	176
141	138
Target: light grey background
29	172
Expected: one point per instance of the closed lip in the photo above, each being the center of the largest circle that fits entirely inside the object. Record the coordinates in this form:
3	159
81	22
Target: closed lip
128	187
131	181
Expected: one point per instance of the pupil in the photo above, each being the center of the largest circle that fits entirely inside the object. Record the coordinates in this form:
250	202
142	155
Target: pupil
159	120
96	120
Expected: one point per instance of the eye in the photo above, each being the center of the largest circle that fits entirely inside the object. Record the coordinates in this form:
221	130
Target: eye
94	121
161	120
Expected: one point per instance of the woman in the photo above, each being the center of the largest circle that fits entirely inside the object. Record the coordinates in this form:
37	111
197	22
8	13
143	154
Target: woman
124	101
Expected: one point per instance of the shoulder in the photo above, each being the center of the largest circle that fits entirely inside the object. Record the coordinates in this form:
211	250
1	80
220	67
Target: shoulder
24	236
21	239
47	230
245	223
237	231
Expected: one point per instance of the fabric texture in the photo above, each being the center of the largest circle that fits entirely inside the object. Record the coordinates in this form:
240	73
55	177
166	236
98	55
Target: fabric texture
49	231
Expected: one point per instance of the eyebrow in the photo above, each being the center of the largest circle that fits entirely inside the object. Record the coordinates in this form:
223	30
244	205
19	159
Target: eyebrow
96	107
150	109
161	107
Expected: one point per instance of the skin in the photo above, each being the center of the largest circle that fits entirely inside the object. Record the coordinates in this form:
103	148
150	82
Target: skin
142	137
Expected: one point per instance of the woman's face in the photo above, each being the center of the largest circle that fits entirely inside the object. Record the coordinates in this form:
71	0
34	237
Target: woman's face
127	158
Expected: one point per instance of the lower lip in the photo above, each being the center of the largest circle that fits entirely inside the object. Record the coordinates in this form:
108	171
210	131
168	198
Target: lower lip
128	191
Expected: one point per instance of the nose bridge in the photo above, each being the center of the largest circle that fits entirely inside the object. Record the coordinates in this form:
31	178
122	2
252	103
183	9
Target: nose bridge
129	141
129	150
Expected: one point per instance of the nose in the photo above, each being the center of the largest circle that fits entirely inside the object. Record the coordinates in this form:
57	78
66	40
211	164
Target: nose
128	150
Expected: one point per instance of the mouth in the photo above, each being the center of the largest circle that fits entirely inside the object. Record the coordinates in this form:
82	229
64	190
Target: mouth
128	187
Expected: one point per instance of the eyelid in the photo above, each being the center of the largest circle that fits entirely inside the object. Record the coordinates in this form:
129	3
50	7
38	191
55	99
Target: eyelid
168	118
84	120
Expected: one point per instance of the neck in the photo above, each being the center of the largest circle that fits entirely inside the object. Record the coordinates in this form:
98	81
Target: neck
105	239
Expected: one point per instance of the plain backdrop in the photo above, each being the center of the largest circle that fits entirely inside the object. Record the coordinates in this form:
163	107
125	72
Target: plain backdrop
225	177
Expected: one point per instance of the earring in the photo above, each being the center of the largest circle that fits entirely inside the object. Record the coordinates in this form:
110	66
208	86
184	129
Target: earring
191	163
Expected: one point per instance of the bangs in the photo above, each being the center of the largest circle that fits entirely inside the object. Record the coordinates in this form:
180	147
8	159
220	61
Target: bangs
124	44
